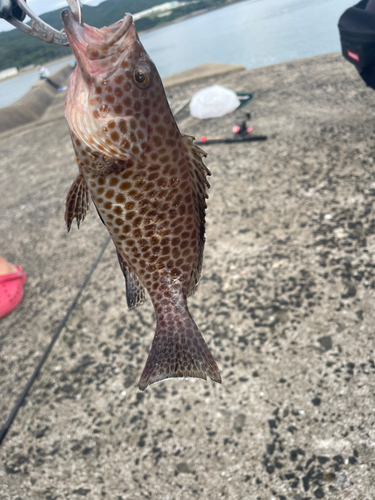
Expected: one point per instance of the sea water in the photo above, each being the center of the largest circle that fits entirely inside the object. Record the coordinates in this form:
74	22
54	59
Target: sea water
254	33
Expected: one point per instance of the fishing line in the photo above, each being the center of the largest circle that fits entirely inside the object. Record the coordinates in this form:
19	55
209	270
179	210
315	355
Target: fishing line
21	399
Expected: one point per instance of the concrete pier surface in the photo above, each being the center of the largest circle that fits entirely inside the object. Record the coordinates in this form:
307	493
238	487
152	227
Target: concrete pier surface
286	304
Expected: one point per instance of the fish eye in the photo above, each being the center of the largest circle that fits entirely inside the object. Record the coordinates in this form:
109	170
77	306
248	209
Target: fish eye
141	77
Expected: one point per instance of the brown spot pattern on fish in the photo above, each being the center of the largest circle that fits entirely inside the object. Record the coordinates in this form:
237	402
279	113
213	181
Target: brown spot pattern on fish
148	183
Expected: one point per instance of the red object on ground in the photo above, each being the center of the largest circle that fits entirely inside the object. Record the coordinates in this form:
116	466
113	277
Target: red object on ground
236	129
203	138
11	291
353	55
249	129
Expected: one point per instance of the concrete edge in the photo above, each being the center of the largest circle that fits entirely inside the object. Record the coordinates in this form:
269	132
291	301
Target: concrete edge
201	72
31	107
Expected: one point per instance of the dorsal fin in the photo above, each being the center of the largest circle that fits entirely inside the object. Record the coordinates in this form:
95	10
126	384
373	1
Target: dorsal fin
77	202
135	293
199	173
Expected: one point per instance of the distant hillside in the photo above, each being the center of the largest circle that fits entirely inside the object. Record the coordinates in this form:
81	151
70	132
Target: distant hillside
18	49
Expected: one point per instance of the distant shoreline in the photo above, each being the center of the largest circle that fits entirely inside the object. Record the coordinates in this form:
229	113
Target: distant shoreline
188	16
52	61
183	18
175	21
160	26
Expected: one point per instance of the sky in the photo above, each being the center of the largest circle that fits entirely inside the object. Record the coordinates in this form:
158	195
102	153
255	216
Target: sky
41	6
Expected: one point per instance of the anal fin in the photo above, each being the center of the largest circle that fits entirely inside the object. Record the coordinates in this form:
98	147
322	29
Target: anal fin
77	202
135	293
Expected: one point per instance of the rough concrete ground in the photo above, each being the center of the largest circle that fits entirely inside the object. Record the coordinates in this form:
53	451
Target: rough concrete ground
286	304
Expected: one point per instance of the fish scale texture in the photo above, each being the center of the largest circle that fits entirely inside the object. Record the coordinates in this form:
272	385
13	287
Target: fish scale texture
148	183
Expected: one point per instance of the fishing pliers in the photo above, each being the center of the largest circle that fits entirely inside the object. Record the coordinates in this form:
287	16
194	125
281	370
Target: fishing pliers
15	11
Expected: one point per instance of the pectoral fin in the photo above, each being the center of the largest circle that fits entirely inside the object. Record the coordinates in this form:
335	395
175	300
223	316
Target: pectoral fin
77	202
135	293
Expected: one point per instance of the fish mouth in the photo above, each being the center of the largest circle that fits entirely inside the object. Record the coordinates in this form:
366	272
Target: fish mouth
91	44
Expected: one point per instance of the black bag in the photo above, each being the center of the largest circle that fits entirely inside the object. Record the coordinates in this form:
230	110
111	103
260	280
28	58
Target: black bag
357	33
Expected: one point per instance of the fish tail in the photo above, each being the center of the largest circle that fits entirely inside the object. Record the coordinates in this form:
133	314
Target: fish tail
178	351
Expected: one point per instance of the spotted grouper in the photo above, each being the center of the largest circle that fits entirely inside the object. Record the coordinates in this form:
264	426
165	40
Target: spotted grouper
148	184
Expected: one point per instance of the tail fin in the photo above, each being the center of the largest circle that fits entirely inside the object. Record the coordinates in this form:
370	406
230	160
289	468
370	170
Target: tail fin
178	350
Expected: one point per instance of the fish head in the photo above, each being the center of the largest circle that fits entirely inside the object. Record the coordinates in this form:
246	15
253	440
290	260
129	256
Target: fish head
113	89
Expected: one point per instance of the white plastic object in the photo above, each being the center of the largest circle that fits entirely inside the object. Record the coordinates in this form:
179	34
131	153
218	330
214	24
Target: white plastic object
213	102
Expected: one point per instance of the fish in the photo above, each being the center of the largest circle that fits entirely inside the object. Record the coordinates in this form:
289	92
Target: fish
148	183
